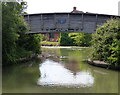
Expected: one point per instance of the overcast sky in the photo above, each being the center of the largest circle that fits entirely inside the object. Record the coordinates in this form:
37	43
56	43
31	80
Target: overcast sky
95	6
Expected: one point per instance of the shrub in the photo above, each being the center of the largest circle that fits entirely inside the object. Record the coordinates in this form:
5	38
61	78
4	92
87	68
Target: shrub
106	42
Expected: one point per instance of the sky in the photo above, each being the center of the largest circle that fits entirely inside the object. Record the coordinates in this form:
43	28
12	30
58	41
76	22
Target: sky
94	6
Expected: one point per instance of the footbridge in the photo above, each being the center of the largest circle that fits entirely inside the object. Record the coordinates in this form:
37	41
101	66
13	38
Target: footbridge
65	22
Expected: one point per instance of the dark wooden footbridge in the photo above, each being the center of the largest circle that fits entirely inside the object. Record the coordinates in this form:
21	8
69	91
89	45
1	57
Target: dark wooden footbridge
65	22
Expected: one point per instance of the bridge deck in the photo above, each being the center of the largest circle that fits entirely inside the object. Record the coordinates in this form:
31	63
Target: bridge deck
65	22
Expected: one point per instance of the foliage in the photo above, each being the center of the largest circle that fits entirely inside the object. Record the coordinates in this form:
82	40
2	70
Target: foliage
43	38
16	44
65	40
106	42
30	42
75	39
81	39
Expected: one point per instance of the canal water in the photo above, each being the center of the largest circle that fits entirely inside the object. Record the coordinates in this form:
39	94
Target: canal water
59	70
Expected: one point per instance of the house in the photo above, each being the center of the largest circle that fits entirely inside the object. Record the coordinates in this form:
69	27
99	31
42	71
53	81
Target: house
51	36
76	11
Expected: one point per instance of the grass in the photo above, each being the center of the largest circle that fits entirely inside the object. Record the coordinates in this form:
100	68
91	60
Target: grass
48	43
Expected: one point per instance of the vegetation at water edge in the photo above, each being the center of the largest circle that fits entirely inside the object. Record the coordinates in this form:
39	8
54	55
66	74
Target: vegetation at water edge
106	43
16	44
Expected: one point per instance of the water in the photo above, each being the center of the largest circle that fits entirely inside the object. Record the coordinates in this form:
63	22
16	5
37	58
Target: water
55	74
60	70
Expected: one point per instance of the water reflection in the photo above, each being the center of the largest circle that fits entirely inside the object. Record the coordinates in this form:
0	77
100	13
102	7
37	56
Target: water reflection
55	74
61	66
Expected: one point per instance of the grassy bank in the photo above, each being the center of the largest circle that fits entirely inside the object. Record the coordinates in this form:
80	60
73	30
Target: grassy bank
48	43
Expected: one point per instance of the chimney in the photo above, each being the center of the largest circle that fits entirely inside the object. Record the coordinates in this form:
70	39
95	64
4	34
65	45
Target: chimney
74	8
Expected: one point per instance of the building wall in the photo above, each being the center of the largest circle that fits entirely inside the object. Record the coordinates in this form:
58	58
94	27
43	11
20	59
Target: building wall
51	37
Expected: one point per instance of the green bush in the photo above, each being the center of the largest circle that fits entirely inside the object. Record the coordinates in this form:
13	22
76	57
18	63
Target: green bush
75	39
65	40
81	39
106	42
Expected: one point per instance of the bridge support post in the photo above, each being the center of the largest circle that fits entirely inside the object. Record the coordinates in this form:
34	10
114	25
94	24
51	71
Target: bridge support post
82	22
96	22
42	23
68	21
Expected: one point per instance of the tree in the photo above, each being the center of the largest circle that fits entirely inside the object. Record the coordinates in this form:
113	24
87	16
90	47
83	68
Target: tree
81	39
15	43
75	39
65	40
106	42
